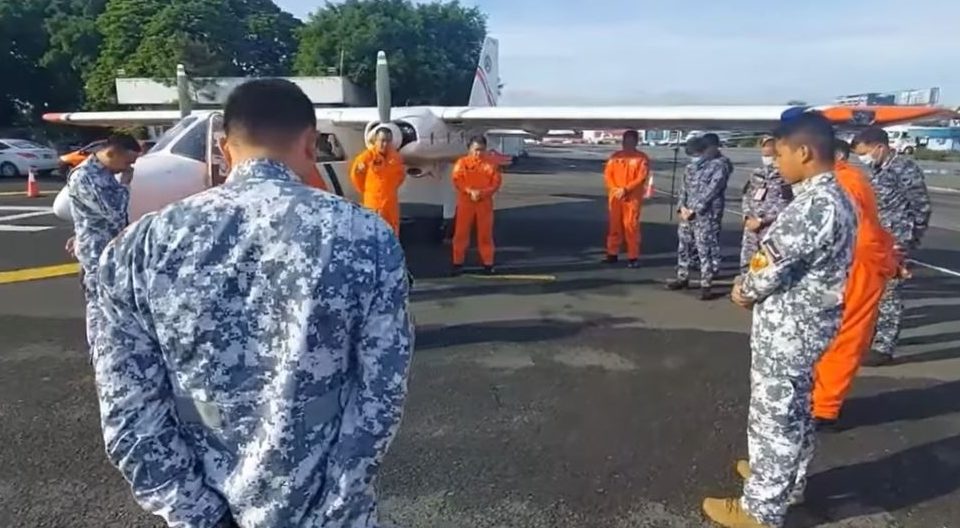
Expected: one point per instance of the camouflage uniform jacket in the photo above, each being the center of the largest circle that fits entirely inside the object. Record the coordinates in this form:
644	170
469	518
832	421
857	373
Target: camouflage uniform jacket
765	195
799	289
254	355
704	185
902	199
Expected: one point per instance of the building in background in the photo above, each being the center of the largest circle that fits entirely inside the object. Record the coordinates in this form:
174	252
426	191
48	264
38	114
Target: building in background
922	97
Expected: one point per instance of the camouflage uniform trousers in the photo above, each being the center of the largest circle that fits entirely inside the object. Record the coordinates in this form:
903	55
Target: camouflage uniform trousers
93	314
699	239
780	440
889	318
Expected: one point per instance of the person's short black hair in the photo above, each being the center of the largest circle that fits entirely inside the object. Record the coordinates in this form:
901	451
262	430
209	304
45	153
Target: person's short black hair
812	129
632	133
268	112
695	145
123	142
711	140
842	147
385	131
478	140
872	136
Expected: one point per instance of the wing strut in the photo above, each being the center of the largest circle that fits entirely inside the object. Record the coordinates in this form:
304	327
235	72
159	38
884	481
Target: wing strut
673	177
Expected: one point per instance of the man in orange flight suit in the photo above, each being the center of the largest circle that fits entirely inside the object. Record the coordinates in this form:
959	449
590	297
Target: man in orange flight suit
377	174
625	176
476	177
874	263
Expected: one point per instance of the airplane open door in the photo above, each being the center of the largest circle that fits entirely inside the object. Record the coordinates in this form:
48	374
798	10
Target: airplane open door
217	169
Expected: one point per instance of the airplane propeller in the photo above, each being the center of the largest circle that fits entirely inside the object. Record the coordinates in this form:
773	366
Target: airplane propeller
383	87
383	104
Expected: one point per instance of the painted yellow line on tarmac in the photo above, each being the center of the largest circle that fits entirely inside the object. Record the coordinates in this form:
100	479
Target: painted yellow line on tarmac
21	193
45	272
514	277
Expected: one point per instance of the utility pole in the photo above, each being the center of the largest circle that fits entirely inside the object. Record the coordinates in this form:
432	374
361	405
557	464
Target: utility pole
183	91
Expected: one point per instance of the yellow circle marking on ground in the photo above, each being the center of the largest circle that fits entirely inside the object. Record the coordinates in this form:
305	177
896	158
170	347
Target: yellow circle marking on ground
45	272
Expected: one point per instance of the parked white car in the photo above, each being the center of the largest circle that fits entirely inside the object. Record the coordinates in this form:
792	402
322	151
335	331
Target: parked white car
18	156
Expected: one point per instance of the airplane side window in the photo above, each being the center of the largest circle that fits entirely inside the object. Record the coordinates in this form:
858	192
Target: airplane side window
193	144
171	134
329	148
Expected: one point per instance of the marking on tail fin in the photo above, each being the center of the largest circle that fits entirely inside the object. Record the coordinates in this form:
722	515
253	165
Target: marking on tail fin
482	75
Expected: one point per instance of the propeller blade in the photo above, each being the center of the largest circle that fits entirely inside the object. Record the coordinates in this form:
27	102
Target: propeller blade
383	87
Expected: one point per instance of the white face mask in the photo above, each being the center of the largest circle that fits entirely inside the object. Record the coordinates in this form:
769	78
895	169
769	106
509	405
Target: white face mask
866	159
694	159
767	160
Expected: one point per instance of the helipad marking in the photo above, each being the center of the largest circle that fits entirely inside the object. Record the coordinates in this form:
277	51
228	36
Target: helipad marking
546	278
44	272
21	216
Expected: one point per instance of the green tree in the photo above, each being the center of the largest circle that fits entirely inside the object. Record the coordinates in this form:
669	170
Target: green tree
433	48
23	85
149	38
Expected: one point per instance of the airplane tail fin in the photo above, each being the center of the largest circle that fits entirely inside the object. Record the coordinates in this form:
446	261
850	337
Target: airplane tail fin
486	80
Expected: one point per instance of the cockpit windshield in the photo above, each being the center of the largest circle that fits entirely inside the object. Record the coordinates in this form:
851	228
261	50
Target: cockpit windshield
164	141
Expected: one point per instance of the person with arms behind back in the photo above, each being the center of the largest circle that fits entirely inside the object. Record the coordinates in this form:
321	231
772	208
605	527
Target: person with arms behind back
252	368
795	287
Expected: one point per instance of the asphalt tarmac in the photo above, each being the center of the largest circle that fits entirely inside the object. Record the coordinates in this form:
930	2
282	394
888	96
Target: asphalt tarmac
564	393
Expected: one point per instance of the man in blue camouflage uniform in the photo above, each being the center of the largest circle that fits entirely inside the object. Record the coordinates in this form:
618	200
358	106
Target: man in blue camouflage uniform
98	204
764	196
252	368
701	212
904	207
795	286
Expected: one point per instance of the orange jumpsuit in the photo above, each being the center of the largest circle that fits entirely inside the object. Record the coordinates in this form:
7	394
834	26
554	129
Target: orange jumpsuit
315	180
482	174
873	264
377	177
625	170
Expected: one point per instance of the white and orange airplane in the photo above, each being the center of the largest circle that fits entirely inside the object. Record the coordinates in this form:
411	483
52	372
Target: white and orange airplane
185	160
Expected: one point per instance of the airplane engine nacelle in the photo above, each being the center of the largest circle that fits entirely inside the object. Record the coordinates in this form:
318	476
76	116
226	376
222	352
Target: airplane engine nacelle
374	126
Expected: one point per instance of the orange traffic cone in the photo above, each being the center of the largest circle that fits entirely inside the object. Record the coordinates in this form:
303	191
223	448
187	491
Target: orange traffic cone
33	188
649	191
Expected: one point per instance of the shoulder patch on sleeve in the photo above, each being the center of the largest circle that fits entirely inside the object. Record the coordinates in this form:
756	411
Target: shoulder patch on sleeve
773	251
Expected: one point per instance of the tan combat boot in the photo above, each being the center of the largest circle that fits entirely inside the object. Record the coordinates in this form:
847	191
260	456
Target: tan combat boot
729	514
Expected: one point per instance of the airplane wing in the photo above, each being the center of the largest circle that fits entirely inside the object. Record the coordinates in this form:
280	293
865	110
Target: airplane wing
678	117
114	119
540	119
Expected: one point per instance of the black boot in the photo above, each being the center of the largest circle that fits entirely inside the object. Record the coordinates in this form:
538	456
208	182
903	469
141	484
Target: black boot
611	259
678	284
489	270
877	359
634	263
456	270
706	293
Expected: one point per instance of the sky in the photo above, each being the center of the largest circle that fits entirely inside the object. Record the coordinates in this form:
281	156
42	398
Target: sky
716	52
